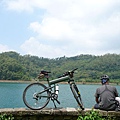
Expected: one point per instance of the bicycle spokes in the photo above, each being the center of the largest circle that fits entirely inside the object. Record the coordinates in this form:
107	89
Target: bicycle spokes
33	98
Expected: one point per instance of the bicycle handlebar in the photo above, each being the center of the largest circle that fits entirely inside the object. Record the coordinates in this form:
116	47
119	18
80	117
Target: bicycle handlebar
70	73
74	69
45	73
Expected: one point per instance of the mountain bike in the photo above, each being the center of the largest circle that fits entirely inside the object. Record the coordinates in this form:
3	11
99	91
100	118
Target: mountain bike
36	95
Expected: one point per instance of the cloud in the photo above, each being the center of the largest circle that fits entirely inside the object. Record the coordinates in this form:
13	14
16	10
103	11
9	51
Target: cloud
71	27
52	28
4	48
34	47
18	5
26	5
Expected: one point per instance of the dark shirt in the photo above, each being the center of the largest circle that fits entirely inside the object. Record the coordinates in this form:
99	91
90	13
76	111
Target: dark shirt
106	95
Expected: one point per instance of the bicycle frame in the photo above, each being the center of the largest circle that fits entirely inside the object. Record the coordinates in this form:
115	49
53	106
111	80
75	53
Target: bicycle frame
53	82
58	80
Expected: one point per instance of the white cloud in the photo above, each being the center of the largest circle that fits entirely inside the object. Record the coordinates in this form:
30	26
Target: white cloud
52	28
71	27
19	5
27	5
38	49
4	48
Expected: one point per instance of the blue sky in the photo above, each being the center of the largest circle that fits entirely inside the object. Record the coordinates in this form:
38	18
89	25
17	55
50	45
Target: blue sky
57	28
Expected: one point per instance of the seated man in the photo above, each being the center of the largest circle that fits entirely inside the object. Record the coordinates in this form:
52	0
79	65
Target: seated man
105	95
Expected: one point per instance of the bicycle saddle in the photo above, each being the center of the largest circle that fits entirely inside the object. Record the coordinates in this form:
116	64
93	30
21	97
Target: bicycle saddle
44	72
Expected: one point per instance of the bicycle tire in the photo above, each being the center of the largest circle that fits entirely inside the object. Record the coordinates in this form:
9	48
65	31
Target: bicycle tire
77	95
38	102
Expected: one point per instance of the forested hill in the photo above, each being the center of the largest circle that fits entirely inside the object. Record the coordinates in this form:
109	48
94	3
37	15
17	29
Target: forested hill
14	66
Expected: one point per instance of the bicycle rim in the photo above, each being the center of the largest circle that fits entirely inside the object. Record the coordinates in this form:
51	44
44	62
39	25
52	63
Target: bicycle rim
77	95
39	102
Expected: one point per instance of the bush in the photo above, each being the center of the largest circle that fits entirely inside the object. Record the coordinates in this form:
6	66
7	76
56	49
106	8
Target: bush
6	117
93	115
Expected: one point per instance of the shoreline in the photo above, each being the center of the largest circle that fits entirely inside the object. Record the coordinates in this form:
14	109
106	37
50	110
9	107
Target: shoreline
23	81
44	82
15	81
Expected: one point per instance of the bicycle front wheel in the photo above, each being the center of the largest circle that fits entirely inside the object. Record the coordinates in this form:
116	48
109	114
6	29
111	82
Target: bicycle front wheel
35	96
77	95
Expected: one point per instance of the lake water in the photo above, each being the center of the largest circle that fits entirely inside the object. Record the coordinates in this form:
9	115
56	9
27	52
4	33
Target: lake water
11	95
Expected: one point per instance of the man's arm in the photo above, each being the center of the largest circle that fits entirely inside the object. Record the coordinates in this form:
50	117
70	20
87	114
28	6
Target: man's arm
116	93
97	99
97	96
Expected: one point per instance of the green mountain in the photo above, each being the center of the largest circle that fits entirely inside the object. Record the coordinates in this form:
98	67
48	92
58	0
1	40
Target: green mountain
14	66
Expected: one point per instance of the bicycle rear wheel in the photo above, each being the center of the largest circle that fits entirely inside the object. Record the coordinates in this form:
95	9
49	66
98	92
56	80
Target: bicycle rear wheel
77	95
32	97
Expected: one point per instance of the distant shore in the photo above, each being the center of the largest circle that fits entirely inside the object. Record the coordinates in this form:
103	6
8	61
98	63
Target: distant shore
23	81
32	81
15	81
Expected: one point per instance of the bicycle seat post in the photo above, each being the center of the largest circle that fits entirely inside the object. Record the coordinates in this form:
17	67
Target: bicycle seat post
47	80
